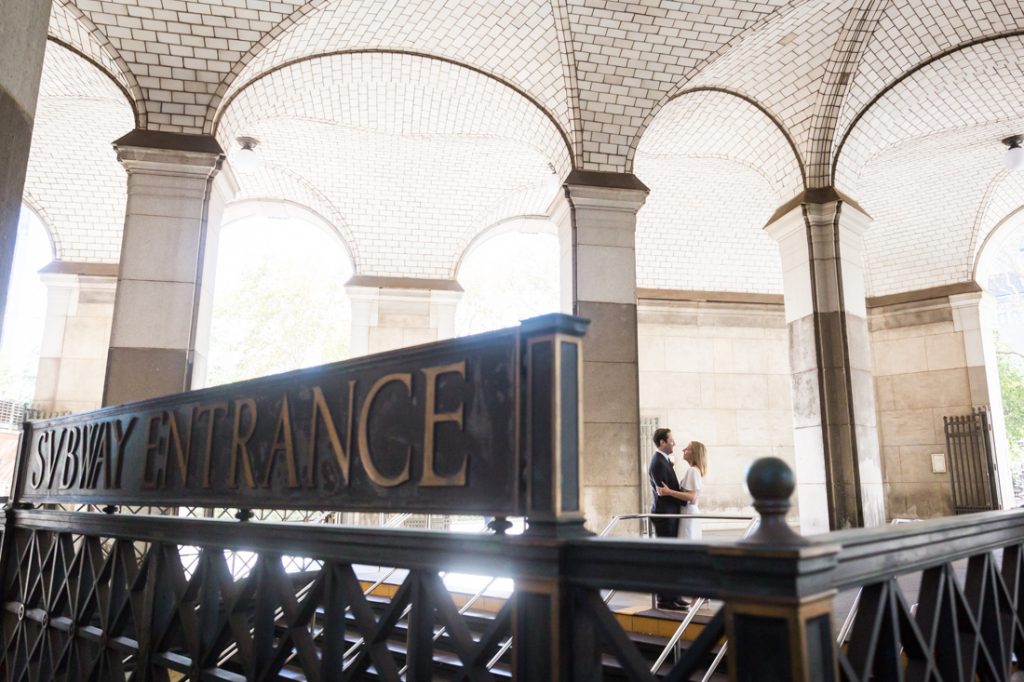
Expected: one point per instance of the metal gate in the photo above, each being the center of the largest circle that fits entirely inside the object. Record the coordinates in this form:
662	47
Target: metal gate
972	462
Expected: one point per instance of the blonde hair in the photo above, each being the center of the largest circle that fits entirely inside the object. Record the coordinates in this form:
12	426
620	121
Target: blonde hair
700	457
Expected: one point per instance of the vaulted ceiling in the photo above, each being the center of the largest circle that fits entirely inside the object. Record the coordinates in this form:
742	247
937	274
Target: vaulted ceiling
415	126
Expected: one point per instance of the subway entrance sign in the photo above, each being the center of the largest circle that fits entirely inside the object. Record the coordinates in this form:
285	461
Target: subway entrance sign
469	425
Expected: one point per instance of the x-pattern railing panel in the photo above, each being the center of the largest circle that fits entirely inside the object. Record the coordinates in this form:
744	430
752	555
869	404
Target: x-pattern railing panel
957	632
593	613
87	607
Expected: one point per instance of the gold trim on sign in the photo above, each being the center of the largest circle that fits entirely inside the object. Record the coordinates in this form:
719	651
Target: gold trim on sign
556	420
578	342
532	343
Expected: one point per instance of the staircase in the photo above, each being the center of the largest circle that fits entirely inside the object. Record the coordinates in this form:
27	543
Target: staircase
649	632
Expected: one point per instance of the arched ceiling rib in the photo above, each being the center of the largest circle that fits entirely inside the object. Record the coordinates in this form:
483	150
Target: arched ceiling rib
269	182
74	178
70	26
912	33
924	158
1004	198
514	40
781	65
968	88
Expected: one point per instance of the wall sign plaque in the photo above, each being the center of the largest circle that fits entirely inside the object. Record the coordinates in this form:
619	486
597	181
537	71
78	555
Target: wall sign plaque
436	428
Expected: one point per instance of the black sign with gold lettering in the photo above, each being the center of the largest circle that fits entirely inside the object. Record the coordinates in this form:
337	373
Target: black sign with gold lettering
433	428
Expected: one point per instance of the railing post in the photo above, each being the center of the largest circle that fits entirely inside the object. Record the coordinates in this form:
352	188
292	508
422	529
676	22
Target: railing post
552	486
779	610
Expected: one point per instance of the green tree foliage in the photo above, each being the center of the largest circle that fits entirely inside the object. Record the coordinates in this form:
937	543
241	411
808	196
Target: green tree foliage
506	279
1011	382
279	303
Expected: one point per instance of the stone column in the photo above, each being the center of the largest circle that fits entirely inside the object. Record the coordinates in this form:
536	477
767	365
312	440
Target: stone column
23	25
76	335
397	312
838	468
164	252
596	218
974	315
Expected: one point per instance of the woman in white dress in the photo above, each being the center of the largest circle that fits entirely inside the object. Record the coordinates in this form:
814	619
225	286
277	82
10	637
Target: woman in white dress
696	455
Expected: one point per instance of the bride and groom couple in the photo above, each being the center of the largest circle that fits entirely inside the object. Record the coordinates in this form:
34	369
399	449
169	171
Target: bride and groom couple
673	497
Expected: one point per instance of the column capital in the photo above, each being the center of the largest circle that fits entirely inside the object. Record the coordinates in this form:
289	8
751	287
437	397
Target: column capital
597	190
816	208
62	272
371	286
150	151
969	299
379	282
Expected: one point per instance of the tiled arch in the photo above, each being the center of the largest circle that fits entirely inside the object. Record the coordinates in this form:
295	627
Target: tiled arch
1003	201
718	166
73	176
72	29
278	207
923	160
532	62
438	152
793	184
973	52
566	163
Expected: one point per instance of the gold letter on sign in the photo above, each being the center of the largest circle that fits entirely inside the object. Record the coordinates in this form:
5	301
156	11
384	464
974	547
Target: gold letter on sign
431	419
239	444
364	442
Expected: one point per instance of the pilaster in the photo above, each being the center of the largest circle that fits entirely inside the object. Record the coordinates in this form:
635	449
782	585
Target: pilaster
596	218
397	312
76	335
166	247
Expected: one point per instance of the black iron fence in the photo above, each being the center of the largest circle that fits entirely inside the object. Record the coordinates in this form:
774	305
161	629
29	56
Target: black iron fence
104	595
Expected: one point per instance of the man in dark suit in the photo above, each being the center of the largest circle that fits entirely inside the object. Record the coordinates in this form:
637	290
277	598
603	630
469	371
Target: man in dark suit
661	472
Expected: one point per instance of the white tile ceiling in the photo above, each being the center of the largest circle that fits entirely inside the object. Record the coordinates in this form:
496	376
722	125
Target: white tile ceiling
414	126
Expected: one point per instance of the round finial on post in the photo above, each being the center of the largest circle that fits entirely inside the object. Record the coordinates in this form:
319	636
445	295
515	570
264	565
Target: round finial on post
771	483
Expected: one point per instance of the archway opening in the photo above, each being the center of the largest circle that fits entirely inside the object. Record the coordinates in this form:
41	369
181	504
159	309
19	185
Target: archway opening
25	312
1000	272
279	300
711	330
506	278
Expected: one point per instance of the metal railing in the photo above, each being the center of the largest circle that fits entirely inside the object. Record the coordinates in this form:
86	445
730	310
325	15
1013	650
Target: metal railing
14	413
697	603
301	619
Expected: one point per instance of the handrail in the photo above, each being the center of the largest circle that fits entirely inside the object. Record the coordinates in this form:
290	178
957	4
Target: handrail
694	608
624	517
714	570
717	517
607	529
847	626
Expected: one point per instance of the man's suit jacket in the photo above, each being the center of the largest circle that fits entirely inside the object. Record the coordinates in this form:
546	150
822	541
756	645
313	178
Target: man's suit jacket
661	471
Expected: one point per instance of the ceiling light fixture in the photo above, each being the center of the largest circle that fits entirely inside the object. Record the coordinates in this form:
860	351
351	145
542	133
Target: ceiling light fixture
1014	157
245	159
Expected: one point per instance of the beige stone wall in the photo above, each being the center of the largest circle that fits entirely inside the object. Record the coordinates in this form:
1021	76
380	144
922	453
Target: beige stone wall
921	375
718	372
